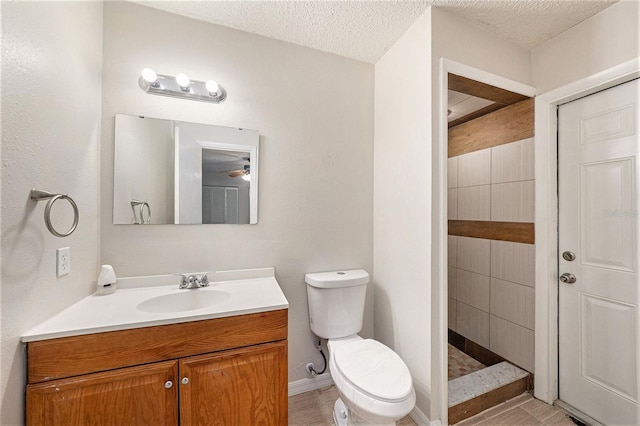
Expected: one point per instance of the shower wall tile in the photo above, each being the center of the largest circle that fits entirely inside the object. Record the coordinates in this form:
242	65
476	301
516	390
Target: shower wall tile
452	172
474	168
452	314
512	302
452	204
452	250
513	262
512	342
473	324
474	289
474	255
491	282
512	162
474	203
513	202
451	282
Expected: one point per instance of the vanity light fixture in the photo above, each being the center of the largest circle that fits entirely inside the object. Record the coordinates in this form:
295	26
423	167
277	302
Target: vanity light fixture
212	87
150	76
181	86
183	81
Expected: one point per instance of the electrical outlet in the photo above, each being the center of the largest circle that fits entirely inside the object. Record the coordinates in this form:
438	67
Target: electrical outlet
63	261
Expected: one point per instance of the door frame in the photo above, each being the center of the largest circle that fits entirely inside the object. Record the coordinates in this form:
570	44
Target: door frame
546	217
439	271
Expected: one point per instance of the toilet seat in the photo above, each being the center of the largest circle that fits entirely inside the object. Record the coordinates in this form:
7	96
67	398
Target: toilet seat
374	369
361	397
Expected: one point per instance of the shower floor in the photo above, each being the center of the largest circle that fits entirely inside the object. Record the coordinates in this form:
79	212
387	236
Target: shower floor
474	387
461	364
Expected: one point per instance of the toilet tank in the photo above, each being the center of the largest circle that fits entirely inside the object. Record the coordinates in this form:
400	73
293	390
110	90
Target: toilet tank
336	302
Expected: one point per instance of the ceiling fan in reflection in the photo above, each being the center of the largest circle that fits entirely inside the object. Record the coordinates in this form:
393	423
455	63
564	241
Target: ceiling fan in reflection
245	171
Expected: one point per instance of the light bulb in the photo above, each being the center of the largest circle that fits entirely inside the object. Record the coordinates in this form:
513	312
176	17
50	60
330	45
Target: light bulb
182	80
212	87
149	75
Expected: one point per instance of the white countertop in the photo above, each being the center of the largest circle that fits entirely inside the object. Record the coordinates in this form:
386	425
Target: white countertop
250	291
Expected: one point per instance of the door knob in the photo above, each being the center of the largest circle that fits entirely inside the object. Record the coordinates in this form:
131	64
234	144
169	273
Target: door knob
568	278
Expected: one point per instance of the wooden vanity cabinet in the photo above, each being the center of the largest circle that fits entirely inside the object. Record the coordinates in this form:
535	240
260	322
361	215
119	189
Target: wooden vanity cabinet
225	371
240	387
127	397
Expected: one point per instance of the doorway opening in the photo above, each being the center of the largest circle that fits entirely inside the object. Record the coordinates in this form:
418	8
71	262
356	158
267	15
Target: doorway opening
491	264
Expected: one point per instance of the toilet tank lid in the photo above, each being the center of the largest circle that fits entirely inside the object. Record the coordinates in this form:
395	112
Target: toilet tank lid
337	279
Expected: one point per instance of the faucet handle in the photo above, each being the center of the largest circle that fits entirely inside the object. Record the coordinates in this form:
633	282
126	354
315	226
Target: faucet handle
203	280
184	281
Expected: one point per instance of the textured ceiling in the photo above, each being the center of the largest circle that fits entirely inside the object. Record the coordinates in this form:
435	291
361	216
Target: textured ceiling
526	22
364	30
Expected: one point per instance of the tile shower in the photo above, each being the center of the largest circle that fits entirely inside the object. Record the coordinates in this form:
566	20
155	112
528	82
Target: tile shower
491	282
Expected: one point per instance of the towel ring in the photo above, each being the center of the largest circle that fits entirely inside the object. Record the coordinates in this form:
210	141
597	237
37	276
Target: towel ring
140	216
39	195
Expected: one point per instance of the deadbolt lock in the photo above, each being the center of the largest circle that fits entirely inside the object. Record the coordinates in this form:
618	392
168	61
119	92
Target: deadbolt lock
569	256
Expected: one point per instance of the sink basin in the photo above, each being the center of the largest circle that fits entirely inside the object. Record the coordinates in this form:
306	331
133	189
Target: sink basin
186	300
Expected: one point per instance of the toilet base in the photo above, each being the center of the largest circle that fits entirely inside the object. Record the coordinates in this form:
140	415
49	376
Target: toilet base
342	416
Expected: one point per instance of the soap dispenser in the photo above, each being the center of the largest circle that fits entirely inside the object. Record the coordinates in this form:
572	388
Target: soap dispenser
106	280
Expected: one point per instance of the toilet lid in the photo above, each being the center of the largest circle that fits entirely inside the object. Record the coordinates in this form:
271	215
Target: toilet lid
374	369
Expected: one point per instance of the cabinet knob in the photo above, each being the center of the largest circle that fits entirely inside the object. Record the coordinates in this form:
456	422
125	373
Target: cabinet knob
185	380
168	384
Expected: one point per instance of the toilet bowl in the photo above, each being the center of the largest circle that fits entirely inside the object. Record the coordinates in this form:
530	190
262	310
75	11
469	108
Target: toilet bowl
373	382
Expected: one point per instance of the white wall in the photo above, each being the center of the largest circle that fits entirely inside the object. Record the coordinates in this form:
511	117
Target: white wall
402	202
314	112
51	68
603	41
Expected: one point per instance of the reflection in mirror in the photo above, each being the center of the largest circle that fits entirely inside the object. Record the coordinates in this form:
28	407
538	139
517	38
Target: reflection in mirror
173	172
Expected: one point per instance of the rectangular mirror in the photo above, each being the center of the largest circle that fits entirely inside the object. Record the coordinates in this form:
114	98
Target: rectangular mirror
173	172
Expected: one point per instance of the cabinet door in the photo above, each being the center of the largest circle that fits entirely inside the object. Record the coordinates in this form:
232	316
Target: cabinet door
129	396
238	387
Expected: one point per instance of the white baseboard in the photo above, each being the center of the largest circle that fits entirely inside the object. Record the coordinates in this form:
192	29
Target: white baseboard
306	385
421	419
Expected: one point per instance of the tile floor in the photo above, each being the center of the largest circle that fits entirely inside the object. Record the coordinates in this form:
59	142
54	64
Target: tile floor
461	364
316	408
521	410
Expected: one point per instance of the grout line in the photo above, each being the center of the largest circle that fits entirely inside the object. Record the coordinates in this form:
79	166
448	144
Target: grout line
490	315
509	321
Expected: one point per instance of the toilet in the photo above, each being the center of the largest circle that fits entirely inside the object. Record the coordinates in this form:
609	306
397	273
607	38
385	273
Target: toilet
373	382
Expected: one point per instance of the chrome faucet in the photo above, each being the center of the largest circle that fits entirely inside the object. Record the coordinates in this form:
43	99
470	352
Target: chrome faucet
193	280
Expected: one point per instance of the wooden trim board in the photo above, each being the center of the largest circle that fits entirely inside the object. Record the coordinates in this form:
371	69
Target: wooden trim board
482	90
473	115
509	124
500	97
517	232
76	355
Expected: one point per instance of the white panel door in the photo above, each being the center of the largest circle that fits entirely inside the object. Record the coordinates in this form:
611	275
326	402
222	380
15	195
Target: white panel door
598	151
